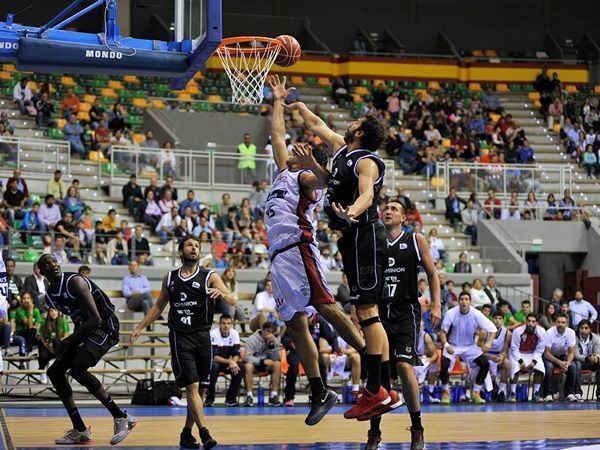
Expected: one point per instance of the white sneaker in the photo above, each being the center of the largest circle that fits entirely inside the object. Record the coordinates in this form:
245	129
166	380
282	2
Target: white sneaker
75	437
579	398
44	378
549	399
122	428
571	398
434	400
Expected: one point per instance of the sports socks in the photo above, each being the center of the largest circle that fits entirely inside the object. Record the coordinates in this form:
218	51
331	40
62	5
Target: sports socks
513	388
112	407
415	419
76	419
373	363
536	387
501	387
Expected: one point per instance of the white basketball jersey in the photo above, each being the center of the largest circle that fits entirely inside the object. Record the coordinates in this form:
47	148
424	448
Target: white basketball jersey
421	347
288	213
498	342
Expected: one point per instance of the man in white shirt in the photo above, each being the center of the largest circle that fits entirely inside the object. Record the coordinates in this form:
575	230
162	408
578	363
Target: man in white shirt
265	308
581	309
22	95
587	355
457	335
559	353
512	213
469	220
526	350
226	345
168	223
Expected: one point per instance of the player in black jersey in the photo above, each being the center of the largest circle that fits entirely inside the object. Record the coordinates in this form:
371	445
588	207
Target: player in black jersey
351	205
401	314
190	292
96	331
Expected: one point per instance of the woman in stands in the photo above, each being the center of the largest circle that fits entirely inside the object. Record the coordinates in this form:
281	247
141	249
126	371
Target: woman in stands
73	203
551	208
53	330
531	205
152	214
547	319
235	311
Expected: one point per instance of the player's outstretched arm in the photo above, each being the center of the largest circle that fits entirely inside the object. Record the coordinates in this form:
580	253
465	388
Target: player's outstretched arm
154	313
218	289
315	124
432	278
280	93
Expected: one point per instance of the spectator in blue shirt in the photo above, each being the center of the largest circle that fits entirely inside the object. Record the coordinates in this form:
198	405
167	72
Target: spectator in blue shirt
191	202
136	290
407	158
526	154
490	101
31	222
72	132
477	124
566	205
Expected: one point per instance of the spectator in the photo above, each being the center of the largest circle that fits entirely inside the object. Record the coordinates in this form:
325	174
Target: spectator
258	198
70	104
453	202
478	296
492	292
531	206
587	356
7	123
117	249
67	229
56	187
102	137
139	247
393	105
219	250
49	213
564	308
462	266
84	271
438	244
117	118
359	46
327	260
22	95
236	312
393	143
547	319
590	161
149	141
59	250
490	101
136	290
14	200
53	329
469	219
226	349
37	285
526	153
510	213
168	161
100	257
555	113
559	342
27	319
167	225
521	316
407	158
132	197
109	222
191	202
152	212
15	283
168	186
96	113
493	205
552	212
247	161
45	111
526	350
265	309
262	355
567	205
21	183
581	309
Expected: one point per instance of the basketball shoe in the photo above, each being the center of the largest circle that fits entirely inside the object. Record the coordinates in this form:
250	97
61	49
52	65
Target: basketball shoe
75	437
319	406
122	428
445	397
367	402
383	409
417	440
476	398
373	440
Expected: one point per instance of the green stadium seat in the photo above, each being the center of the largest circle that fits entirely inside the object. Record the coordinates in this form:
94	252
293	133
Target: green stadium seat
55	133
254	109
30	255
311	81
204	106
124	93
135	120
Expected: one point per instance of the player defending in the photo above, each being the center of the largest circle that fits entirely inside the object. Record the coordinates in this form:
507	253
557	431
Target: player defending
401	315
296	272
96	331
351	205
190	291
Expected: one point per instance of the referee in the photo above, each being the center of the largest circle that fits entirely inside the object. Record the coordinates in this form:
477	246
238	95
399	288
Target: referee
191	292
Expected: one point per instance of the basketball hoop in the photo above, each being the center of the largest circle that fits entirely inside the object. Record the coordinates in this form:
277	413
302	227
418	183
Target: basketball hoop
247	61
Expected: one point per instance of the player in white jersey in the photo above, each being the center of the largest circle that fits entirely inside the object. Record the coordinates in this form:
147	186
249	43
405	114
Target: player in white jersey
498	355
460	326
296	272
427	353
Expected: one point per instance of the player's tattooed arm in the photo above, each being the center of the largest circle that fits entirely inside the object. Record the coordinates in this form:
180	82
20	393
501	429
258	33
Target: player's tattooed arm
154	313
218	289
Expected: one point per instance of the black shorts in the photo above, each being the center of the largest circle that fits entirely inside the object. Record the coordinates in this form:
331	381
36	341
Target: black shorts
363	251
95	347
402	328
191	357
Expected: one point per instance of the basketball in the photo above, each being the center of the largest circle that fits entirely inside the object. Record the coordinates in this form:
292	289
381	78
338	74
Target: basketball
290	51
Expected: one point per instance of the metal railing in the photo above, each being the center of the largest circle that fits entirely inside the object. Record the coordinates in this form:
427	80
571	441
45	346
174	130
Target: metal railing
39	155
502	178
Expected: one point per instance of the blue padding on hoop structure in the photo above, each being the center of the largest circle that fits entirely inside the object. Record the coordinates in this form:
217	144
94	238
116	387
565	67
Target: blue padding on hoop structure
46	55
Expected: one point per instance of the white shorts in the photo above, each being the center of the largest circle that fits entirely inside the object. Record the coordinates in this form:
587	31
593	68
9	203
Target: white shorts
422	371
467	354
527	359
299	281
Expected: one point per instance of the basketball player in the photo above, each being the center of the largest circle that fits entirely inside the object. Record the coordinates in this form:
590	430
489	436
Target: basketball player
526	351
351	205
459	328
426	352
498	355
296	271
96	331
190	291
401	315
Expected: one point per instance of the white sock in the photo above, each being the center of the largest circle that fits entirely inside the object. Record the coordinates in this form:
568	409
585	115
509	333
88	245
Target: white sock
513	388
536	387
273	393
431	388
477	387
445	387
501	387
249	394
355	387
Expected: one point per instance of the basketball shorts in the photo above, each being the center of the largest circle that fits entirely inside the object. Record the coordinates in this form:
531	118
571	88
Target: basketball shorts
191	357
515	367
363	251
298	279
99	343
467	354
403	333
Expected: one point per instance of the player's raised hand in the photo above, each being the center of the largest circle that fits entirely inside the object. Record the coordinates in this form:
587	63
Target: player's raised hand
277	85
304	154
344	213
294	106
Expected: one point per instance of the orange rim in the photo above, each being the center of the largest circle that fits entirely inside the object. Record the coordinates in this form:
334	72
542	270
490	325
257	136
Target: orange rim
229	44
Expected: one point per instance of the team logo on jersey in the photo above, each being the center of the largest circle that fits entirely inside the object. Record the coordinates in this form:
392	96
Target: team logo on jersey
403	246
349	163
408	349
65	295
196	285
391	261
182	297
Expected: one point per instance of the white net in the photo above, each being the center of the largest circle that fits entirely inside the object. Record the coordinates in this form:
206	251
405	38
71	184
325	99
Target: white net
247	65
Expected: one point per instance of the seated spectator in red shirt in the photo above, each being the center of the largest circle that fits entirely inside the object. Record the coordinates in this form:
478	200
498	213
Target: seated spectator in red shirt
69	104
493	206
413	215
102	136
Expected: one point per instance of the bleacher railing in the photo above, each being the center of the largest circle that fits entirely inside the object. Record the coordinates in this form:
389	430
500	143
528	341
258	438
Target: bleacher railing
197	168
542	179
36	155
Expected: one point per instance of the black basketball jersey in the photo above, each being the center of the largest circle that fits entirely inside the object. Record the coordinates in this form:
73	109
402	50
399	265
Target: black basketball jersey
191	309
343	186
60	298
401	272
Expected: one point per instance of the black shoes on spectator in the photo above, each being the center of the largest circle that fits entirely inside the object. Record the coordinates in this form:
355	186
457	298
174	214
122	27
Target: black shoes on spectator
208	403
232	403
274	401
188	441
249	401
319	406
207	441
501	398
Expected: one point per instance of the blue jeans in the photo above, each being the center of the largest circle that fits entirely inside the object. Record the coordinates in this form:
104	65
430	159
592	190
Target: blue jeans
164	237
16	339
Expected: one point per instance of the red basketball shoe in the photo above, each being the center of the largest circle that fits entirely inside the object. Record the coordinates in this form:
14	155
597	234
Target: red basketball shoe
367	402
382	409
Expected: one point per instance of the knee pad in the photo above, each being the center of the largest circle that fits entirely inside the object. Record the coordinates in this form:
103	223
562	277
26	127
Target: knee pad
368	322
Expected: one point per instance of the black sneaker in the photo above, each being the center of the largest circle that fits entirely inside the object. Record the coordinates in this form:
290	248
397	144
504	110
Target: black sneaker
249	401
319	406
209	402
232	403
417	441
501	397
373	440
207	440
274	401
188	441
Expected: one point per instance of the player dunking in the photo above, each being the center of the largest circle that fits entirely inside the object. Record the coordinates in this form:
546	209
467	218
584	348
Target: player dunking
96	331
401	314
351	205
191	292
296	272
